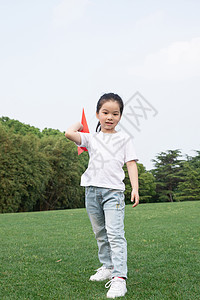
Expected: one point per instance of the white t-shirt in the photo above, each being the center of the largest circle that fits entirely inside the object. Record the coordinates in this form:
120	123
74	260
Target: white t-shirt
108	152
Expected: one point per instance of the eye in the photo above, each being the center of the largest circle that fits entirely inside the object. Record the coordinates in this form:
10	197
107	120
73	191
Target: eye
105	113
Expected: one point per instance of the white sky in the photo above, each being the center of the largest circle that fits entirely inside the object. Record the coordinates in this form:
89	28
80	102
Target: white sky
58	56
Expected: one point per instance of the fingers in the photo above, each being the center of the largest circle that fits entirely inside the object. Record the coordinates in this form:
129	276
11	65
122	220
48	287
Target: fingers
136	197
136	203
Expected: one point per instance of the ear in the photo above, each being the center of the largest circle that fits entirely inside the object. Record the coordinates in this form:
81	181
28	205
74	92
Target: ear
97	115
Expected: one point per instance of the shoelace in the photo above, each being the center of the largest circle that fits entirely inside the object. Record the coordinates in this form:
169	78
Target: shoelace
100	269
110	282
114	282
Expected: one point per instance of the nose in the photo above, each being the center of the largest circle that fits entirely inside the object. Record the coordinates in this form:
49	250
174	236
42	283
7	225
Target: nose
109	117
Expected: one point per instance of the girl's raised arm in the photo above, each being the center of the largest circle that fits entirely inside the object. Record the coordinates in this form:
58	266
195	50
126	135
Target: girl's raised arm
72	133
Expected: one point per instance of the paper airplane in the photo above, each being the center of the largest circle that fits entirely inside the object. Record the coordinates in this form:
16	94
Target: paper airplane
85	129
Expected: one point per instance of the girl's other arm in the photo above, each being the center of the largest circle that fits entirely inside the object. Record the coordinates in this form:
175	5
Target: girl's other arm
72	133
133	175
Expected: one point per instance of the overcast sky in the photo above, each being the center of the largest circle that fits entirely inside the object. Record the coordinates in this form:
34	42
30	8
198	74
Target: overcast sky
58	56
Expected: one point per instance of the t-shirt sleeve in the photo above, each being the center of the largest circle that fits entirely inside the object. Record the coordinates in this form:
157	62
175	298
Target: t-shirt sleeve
130	153
85	138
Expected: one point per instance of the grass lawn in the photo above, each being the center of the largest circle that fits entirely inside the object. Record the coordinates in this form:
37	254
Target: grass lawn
51	255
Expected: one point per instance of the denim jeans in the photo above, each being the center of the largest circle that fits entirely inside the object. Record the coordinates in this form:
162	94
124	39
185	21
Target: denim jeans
105	208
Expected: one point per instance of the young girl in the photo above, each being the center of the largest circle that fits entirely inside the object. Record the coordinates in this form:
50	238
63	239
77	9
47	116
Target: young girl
104	189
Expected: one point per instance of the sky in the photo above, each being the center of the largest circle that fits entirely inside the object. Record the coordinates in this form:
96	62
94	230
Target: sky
60	56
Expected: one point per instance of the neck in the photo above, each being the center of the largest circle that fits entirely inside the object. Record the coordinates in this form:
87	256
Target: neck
108	131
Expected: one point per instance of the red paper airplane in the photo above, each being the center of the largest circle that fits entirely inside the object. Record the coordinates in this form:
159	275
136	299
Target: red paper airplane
85	129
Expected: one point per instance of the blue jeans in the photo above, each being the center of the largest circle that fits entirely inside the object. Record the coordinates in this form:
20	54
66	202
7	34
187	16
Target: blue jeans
105	208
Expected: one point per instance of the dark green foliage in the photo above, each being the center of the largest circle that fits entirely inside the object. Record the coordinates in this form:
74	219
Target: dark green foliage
147	187
18	127
50	131
176	179
23	172
166	172
62	189
189	186
41	170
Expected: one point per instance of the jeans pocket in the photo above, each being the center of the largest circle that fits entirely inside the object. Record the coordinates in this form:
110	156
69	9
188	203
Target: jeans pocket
122	202
119	200
87	190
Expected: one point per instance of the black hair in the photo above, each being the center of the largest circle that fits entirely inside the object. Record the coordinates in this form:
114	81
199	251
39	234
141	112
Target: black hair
109	97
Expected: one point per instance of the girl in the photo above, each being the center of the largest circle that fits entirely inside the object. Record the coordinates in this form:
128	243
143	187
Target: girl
104	189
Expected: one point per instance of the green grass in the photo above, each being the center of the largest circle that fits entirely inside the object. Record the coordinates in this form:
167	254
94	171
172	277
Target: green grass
51	255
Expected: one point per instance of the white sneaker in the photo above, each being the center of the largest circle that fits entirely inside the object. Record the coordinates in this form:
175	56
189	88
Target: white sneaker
117	287
102	274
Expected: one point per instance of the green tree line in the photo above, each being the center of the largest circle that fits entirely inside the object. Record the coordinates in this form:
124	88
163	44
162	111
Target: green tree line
41	170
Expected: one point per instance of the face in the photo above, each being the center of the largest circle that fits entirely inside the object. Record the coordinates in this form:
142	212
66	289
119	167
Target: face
109	116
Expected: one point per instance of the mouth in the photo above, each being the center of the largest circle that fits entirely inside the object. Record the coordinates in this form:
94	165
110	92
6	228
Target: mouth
109	123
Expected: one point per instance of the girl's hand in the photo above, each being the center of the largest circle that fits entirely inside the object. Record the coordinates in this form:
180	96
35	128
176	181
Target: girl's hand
81	127
135	196
76	127
72	133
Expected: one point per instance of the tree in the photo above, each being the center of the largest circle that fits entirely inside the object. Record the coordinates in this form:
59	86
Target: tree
189	186
63	188
24	171
39	171
167	174
42	171
50	131
19	128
